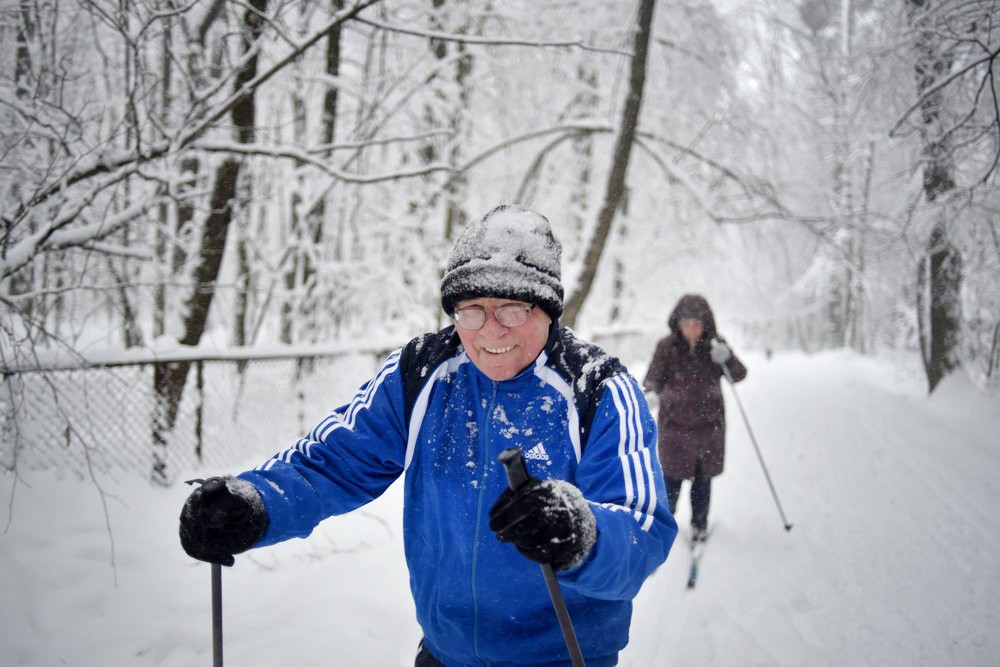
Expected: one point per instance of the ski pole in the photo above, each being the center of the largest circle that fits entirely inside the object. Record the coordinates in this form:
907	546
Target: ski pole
213	486
516	476
216	615
760	457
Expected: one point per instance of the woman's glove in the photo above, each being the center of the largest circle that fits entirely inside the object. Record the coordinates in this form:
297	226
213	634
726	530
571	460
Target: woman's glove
548	521
719	351
222	517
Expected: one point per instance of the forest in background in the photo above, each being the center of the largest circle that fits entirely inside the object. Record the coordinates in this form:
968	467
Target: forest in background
260	173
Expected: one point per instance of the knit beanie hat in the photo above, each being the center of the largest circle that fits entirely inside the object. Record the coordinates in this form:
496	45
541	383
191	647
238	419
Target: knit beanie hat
509	254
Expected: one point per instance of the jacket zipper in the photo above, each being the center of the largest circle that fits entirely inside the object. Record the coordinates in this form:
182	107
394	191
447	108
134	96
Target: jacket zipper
486	441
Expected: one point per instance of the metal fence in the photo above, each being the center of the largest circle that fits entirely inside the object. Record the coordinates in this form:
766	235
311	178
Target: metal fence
100	418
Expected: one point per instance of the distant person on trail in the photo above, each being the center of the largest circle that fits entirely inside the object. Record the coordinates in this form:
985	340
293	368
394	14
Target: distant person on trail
441	409
685	375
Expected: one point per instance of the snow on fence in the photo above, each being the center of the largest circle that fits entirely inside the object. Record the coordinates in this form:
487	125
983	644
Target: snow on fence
86	417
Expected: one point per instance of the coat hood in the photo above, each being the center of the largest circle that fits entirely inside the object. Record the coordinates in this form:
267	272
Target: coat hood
693	307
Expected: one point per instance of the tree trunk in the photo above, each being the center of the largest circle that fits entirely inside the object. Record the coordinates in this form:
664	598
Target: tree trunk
585	104
213	245
244	283
22	281
169	379
939	277
450	116
299	308
938	288
619	167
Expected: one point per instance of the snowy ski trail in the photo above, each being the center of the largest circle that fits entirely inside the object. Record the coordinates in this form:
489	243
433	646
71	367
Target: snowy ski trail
892	495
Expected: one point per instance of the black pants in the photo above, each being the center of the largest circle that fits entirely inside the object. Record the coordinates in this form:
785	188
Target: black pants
701	496
425	659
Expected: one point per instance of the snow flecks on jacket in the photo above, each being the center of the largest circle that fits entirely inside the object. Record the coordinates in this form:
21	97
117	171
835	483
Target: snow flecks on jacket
547	404
508	429
592	364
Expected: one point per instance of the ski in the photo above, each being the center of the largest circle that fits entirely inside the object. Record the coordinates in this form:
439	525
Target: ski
697	551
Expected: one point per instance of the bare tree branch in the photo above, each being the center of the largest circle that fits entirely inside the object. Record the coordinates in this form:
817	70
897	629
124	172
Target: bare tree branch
491	41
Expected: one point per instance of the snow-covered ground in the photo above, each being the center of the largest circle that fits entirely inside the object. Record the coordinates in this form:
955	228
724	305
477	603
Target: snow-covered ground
893	558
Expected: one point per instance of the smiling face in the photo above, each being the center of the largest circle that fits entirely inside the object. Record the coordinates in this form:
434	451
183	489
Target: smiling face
501	353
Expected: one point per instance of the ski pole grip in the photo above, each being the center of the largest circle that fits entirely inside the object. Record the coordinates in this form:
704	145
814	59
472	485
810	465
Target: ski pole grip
514	465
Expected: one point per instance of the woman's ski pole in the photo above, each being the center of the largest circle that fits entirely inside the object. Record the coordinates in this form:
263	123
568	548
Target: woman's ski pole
516	476
760	457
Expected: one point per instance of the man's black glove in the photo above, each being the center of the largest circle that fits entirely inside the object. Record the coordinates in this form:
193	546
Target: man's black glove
222	517
548	521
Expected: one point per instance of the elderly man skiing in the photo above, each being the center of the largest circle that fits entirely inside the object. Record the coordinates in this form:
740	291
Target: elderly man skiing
441	409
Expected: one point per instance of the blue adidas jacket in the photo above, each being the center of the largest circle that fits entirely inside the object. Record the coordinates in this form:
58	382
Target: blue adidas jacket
429	412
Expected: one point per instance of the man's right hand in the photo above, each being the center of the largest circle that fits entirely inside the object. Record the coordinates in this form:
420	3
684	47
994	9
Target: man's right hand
222	517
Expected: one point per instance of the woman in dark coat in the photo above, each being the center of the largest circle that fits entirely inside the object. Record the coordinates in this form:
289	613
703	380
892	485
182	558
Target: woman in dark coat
685	375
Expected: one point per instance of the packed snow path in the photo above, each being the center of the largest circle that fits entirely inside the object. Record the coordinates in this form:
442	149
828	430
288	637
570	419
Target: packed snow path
892	559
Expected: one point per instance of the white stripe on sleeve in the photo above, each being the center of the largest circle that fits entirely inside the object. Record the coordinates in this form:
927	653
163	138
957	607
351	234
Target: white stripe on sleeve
633	452
342	418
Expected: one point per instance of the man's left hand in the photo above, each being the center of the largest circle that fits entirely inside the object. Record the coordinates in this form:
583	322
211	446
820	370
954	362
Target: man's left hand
548	521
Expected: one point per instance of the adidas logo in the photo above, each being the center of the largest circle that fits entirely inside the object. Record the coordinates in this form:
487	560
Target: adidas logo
537	453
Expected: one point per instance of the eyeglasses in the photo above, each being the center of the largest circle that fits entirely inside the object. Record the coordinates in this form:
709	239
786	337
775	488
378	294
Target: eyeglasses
510	315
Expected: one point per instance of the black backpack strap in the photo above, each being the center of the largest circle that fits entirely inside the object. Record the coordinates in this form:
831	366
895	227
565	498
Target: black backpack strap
420	357
585	367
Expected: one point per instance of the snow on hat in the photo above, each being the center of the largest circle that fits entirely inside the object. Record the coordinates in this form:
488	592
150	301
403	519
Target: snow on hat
509	254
